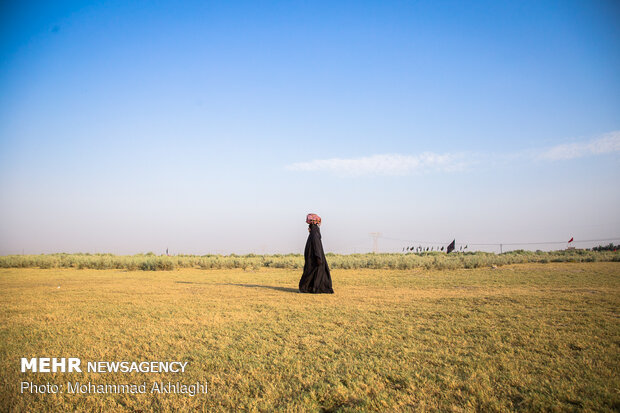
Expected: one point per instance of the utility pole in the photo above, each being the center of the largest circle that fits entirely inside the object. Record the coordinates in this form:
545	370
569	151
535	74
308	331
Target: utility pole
501	248
375	241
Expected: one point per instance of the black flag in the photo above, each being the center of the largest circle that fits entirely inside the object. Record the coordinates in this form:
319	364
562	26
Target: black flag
451	246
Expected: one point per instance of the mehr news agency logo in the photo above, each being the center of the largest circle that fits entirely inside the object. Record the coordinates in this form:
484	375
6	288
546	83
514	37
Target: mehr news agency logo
73	365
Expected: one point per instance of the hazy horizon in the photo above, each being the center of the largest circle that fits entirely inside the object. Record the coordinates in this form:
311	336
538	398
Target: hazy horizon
216	127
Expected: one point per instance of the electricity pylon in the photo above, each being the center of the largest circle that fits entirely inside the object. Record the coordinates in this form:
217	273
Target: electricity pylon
375	241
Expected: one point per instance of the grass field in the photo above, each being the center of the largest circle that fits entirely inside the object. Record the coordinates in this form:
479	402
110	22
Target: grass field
433	260
525	337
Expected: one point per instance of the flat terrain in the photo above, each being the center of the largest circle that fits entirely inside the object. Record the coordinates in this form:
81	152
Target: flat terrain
525	337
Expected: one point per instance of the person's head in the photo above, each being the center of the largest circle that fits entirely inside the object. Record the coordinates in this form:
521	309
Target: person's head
313	219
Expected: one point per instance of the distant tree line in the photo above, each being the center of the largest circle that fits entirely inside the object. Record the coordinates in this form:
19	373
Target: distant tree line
608	247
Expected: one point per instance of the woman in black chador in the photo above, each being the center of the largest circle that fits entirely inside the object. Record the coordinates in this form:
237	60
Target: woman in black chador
316	277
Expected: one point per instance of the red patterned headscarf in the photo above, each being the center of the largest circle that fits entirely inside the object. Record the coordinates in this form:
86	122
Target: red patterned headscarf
313	219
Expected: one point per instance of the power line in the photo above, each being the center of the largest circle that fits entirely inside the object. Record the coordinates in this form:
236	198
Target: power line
561	242
414	242
502	243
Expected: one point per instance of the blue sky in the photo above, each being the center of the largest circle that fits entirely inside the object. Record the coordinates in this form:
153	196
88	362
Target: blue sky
207	127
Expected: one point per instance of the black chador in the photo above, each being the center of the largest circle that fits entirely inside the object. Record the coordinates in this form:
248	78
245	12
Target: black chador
316	277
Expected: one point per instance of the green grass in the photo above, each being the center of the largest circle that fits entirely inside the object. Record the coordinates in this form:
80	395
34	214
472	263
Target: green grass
426	260
526	337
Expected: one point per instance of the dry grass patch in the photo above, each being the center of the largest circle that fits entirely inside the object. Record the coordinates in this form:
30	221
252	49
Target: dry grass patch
521	337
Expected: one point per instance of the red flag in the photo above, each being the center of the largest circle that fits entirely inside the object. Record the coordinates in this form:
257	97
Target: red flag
571	239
